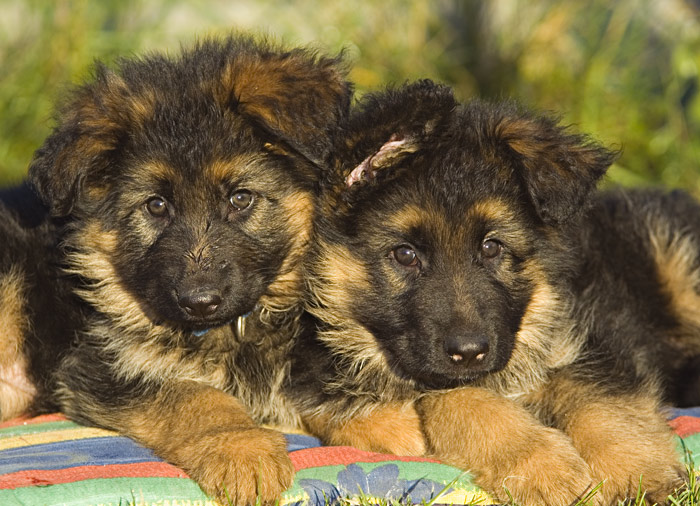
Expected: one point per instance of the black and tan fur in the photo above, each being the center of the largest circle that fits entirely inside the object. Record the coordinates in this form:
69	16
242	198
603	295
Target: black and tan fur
163	288
472	285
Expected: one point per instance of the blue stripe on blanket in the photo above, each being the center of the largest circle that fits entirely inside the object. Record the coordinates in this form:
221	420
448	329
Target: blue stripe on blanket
100	451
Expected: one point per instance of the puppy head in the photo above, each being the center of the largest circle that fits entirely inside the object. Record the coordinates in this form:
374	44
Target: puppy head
439	244
189	180
293	97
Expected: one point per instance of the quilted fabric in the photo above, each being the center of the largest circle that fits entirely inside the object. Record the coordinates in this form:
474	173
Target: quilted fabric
50	460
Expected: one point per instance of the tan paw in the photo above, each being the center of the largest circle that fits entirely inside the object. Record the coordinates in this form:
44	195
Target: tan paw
550	473
626	476
624	440
405	443
243	466
393	428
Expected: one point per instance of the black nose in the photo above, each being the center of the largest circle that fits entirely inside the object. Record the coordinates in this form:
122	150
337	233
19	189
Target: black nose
467	351
201	303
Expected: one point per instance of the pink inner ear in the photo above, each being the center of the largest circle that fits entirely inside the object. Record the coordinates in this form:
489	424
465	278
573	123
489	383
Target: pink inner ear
366	169
358	172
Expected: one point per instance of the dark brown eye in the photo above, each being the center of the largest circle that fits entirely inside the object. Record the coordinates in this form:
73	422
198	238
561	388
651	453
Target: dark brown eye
406	256
490	248
157	207
241	199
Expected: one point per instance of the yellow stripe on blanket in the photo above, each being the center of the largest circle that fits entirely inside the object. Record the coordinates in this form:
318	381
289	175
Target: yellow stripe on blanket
54	436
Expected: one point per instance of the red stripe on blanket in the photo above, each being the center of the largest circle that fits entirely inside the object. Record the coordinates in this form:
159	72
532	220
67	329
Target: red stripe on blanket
52	477
685	426
25	420
343	456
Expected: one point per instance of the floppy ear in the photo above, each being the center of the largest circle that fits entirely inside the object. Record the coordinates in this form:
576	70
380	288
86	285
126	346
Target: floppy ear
88	130
389	125
559	169
296	95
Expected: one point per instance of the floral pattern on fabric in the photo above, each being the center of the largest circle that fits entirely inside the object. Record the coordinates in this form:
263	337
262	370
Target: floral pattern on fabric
382	482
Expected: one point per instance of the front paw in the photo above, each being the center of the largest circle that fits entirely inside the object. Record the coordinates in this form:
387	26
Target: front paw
629	447
550	472
627	474
393	429
242	466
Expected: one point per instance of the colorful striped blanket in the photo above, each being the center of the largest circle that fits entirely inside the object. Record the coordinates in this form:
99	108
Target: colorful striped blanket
50	460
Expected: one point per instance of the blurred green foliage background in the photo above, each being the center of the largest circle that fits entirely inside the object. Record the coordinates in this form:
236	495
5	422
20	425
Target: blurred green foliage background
625	71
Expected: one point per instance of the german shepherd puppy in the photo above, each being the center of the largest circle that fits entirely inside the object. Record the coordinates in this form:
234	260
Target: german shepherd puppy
160	297
472	287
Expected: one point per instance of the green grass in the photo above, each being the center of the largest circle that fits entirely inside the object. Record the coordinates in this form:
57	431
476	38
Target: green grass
689	495
628	71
